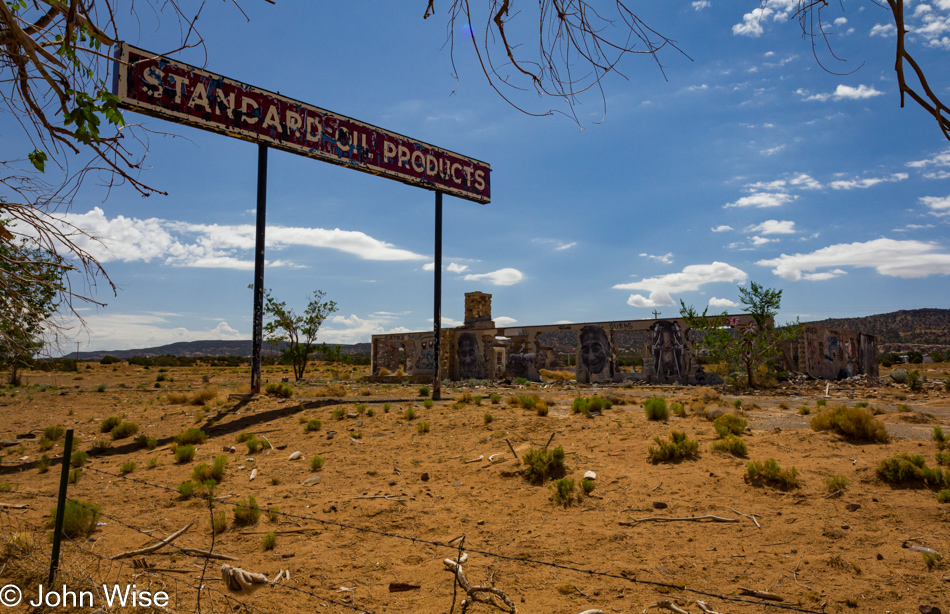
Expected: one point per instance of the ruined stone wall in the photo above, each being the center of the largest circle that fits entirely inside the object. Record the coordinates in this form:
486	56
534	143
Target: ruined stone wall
478	310
831	353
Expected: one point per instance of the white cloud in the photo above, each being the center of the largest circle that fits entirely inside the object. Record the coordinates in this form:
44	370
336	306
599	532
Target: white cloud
504	321
455	267
757	241
772	150
721	228
866	183
914	227
701	4
840	21
354	329
566	246
722	302
665	258
120	331
690	279
501	277
884	30
558	245
845	92
940	162
773	227
824	275
805	182
752	23
762	200
938	206
697	88
906	259
778	184
177	243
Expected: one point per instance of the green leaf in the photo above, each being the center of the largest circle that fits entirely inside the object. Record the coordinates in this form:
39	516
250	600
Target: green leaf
38	159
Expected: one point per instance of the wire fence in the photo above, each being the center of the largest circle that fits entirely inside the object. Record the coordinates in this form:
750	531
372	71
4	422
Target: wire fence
86	567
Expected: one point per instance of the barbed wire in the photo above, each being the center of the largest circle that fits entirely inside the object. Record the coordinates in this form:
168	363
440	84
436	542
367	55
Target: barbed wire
525	560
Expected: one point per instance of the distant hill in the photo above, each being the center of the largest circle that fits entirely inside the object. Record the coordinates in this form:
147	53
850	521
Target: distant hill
204	348
914	326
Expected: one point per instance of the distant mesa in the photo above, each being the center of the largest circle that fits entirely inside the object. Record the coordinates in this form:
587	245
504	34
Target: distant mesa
194	349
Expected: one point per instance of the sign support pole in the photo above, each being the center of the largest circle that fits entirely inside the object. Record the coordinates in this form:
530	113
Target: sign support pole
258	334
437	302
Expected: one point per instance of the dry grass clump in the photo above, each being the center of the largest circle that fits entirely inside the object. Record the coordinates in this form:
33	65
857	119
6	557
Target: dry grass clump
558	375
277	389
730	444
851	422
906	469
562	492
770	474
708	395
676	447
530	402
331	390
655	408
728	424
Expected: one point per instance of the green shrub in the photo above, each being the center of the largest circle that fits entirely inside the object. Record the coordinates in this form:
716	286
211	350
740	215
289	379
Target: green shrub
428	403
598	404
99	447
730	444
184	453
424	391
943	496
409	414
541	409
270	540
79	458
101	388
127	467
676	447
253	445
770	474
943	458
940	438
587	485
247	512
361	408
340	413
144	441
312	425
737	403
562	492
386	408
946	384
543	465
186	490
914	381
316	463
123	430
859	404
152	462
45	444
655	408
42	465
273	514
53	432
219	522
203	472
521	381
901	468
580	405
496	398
192	436
851	422
79	518
280	390
423	427
678	409
477	400
823	402
487	419
371	412
109	423
74	475
242	437
836	484
729	424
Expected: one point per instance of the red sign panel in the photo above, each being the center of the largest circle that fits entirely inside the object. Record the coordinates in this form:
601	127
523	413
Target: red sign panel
178	92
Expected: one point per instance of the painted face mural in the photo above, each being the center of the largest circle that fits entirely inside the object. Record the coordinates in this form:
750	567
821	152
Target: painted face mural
595	349
669	350
467	356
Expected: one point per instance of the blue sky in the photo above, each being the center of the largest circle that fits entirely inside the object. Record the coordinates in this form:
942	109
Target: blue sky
748	162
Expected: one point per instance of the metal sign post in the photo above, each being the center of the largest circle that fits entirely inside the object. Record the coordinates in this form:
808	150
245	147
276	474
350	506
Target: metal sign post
437	300
258	341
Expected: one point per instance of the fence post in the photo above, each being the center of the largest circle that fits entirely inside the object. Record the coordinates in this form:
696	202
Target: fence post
60	506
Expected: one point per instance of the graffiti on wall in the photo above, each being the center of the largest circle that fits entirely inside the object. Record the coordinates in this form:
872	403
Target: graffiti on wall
471	364
595	363
668	347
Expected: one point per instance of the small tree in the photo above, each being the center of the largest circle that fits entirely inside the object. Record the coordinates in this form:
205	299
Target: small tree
31	279
298	331
744	347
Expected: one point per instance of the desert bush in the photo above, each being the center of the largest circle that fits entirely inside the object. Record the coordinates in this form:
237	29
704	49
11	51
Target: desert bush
316	463
730	444
253	445
312	425
487	418
124	429
580	405
821	402
279	389
247	512
729	424
541	408
242	437
192	436
851	422
74	475
655	408
184	453
521	381
144	441
914	381
678	409
940	438
45	444
186	490
496	398
906	469
676	447
79	518
203	472
42	465
558	375
477	399
737	403
101	388
428	403
424	391
943	458
127	467
587	485
529	402
360	408
177	398
409	414
152	462
219	522
423	427
770	474
543	465
53	432
99	447
804	410
273	514
270	540
340	413
562	492
836	484
79	458
943	496
109	423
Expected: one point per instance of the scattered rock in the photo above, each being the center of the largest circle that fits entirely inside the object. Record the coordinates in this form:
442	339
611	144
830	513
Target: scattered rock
295	455
351	415
899	376
288	555
929	609
425	477
378	435
880	557
590	475
659	505
714	412
205	379
313	479
359	423
457	484
392	482
853	507
330	434
281	446
285	380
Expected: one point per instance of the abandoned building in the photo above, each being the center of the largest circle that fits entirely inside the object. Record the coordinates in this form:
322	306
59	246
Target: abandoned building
481	350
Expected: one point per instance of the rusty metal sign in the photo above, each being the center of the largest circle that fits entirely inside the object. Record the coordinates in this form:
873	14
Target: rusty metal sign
168	89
